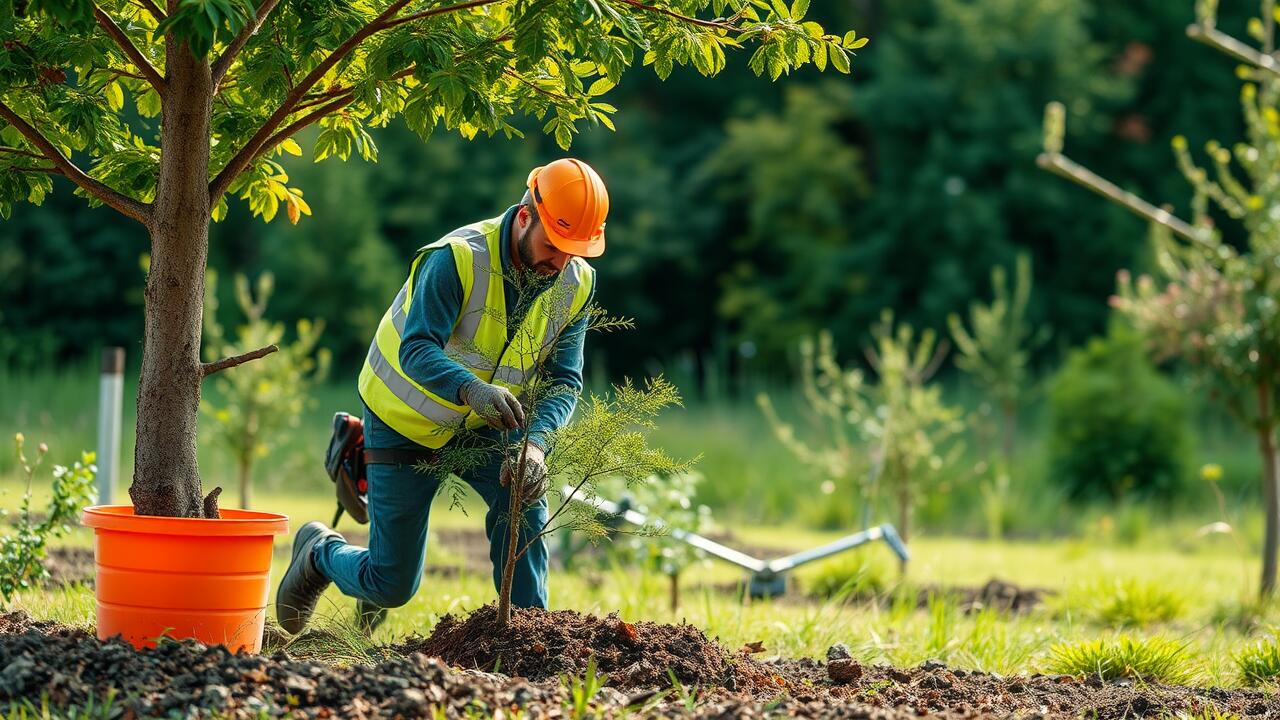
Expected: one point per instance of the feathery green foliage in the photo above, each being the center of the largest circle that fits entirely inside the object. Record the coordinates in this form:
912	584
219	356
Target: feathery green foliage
1153	659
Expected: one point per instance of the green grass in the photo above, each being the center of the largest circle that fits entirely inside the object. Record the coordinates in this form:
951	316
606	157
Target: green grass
1150	659
1259	662
1129	602
1159	576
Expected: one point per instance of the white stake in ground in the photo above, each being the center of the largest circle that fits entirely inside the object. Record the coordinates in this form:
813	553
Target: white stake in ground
110	399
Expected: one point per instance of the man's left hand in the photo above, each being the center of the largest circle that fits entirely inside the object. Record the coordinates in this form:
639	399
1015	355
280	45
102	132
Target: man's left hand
535	472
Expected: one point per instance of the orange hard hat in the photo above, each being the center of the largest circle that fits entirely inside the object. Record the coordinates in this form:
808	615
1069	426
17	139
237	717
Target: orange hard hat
572	203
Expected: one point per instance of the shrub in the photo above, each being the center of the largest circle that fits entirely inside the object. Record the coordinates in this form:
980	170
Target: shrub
22	550
1118	427
1148	659
1136	603
1259	663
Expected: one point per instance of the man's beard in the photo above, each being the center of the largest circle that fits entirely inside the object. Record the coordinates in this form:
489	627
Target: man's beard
526	257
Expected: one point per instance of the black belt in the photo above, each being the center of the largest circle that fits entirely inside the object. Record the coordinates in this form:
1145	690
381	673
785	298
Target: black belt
398	456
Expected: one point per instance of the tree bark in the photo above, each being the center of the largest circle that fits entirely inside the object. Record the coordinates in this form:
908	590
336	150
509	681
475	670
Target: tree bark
166	480
1270	489
246	482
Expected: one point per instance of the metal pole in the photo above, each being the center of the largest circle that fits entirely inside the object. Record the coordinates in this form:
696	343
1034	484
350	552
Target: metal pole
110	399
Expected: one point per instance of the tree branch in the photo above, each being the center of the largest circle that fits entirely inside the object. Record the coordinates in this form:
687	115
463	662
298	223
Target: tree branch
1213	37
45	170
152	8
24	153
228	56
435	11
721	25
306	120
210	368
383	21
125	205
1061	165
131	51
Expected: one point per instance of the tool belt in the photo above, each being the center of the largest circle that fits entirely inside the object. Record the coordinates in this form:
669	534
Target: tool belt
345	463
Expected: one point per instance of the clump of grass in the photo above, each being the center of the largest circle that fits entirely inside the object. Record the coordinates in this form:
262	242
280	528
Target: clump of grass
1147	659
856	576
1259	663
1135	603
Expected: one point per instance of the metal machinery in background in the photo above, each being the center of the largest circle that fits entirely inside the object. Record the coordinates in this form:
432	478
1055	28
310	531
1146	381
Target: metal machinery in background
767	577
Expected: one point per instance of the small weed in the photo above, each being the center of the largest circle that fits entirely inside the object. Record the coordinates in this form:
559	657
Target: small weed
1134	603
582	690
1259	663
688	697
1149	659
874	689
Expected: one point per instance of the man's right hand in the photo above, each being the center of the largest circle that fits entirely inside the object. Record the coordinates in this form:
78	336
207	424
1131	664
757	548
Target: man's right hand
495	404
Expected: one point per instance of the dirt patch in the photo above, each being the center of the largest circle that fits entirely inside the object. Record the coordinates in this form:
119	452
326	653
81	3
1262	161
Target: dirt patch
69	668
996	594
69	566
935	690
542	645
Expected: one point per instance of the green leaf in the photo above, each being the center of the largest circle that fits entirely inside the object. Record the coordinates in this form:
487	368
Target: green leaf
799	8
840	60
115	95
820	56
780	7
600	87
148	103
849	37
859	43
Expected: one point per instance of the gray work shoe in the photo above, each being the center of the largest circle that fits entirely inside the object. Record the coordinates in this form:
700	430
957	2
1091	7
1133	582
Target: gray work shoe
369	616
303	583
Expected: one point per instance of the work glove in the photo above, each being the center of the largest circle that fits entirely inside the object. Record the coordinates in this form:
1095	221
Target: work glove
535	471
495	404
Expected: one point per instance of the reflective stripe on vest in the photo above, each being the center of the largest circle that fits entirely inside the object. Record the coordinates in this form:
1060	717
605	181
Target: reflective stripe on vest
478	346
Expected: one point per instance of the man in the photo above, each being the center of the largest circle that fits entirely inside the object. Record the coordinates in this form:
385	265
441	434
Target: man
456	347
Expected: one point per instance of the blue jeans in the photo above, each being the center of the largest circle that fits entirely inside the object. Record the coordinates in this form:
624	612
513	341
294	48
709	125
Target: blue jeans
388	573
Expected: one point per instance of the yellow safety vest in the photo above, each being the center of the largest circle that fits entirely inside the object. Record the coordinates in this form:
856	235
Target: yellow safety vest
479	338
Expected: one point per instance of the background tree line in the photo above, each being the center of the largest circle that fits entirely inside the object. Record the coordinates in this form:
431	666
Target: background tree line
745	215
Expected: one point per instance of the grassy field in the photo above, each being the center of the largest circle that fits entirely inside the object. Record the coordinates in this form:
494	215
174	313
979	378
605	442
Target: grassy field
1197	596
1114	570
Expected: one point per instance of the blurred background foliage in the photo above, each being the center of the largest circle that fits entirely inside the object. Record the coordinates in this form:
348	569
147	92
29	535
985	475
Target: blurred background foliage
746	216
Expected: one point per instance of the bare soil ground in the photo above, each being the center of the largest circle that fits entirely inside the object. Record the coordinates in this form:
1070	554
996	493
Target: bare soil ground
66	666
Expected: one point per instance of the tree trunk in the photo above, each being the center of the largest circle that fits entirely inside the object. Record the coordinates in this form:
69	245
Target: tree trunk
246	481
1270	490
166	480
675	592
516	488
1009	430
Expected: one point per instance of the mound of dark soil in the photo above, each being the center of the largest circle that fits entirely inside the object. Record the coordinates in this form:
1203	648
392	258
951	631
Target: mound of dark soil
70	668
542	645
997	594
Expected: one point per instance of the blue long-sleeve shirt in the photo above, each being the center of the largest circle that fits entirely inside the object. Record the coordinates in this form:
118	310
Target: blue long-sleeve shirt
436	305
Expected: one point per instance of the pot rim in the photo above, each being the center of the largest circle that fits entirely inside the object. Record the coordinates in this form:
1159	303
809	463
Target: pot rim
232	523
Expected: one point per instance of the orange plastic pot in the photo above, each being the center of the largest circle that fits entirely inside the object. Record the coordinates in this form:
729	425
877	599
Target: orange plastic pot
183	577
